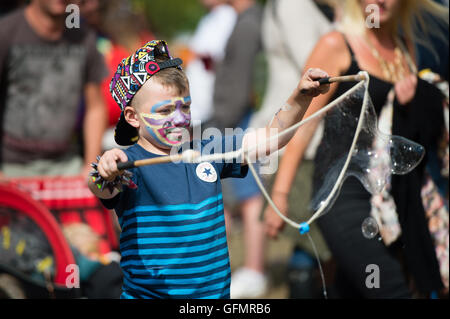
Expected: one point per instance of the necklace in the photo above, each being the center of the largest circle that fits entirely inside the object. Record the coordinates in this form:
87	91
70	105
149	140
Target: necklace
393	71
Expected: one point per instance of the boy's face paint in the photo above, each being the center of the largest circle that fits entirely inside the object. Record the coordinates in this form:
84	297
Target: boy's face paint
168	119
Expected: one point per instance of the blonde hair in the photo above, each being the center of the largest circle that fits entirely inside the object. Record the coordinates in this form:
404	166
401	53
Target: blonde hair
413	19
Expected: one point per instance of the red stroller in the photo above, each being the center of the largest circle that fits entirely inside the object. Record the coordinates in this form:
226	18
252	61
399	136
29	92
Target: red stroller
37	221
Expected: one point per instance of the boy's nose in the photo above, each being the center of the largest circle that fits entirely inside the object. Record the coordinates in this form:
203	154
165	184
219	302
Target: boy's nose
179	117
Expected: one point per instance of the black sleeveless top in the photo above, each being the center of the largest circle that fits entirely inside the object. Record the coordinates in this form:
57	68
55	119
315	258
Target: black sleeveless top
422	121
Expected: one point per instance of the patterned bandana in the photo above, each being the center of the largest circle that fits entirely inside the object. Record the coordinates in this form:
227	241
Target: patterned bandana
131	75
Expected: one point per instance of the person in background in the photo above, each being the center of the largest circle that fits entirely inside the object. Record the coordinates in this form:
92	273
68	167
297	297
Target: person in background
411	108
45	69
291	29
120	30
50	99
233	105
208	48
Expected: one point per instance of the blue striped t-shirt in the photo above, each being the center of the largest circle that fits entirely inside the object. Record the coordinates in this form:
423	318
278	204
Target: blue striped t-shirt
173	241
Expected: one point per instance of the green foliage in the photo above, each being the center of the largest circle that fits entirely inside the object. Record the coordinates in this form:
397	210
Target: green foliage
170	17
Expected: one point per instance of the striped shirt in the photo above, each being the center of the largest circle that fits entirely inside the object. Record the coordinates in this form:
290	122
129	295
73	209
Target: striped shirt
173	241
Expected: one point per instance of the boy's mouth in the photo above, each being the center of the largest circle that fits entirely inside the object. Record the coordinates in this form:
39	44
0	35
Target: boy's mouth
173	134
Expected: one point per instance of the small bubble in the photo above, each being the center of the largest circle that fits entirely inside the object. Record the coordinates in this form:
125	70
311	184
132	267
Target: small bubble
369	228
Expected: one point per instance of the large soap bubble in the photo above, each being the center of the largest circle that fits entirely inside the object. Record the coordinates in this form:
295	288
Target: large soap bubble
352	145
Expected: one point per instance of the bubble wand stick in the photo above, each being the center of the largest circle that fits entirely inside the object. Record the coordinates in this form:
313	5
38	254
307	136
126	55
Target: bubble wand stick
337	79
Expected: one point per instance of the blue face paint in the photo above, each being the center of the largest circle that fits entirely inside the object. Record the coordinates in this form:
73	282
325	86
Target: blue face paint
168	120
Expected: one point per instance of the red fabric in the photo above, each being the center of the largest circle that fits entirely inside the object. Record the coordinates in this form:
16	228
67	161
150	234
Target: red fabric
70	217
104	246
95	219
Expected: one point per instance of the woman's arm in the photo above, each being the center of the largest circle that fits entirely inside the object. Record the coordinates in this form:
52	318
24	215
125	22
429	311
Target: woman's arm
332	56
329	55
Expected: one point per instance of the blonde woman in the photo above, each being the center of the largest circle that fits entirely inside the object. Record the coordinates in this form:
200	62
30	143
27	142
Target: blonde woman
388	54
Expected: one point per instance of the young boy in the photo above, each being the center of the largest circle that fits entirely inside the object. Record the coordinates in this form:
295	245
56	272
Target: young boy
173	241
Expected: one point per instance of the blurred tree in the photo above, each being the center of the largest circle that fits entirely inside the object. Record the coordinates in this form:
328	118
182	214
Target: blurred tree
168	18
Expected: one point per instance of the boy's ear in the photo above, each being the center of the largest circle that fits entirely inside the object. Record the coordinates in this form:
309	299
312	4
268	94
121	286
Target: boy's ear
131	116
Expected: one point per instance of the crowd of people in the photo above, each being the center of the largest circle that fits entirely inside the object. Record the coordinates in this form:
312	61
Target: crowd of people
57	115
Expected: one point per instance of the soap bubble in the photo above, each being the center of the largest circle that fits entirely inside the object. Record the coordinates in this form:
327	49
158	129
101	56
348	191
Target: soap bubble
352	145
369	228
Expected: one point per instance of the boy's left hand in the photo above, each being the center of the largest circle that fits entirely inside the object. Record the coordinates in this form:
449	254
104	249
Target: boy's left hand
309	85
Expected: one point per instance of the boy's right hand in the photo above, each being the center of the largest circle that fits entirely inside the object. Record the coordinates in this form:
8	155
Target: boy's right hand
107	165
